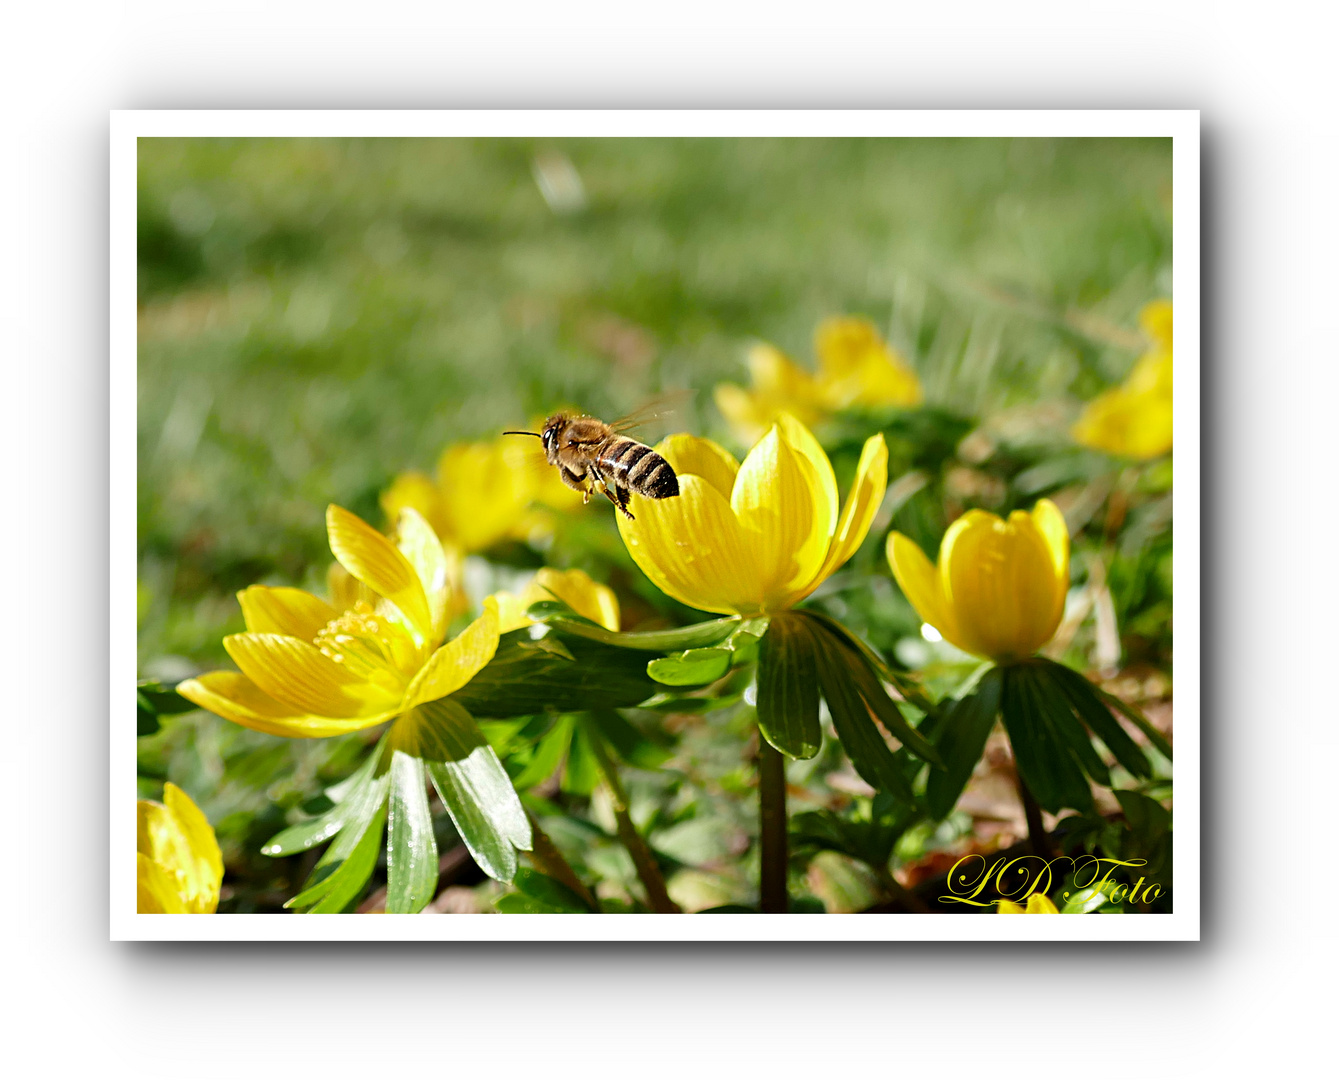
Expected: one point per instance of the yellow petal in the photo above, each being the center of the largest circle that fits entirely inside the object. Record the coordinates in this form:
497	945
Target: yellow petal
176	839
778	377
346	590
485	487
802	440
579	591
419	544
204	847
511	611
701	457
1156	319
692	548
379	565
458	661
1008	907
746	414
857	367
414	490
156	889
1000	582
862	503
1129	425
233	696
921	584
778	502
1040	904
296	673
282	610
1050	523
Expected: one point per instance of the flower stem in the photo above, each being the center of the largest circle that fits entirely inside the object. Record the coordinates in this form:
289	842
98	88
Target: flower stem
1041	845
772	826
549	860
648	870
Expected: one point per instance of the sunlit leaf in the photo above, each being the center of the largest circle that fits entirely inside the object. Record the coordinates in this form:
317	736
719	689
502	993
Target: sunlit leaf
411	849
694	667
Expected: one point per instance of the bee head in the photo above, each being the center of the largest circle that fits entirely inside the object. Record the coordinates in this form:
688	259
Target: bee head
549	435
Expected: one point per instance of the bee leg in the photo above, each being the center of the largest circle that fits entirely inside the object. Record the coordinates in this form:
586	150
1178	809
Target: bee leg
620	499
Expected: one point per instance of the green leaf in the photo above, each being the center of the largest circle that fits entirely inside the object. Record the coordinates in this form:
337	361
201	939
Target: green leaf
153	700
471	781
1149	819
787	687
862	740
522	680
411	852
1057	715
307	834
629	743
867	668
962	735
1048	768
351	878
1087	702
695	667
583	768
542	893
347	864
146	719
1140	721
869	687
547	755
164	700
561	618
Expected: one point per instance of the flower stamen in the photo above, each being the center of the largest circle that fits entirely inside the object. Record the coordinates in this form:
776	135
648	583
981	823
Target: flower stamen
370	646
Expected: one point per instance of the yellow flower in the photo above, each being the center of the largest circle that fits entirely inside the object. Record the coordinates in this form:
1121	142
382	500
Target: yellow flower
999	589
856	367
1134	419
311	668
575	588
179	863
753	538
482	495
1037	904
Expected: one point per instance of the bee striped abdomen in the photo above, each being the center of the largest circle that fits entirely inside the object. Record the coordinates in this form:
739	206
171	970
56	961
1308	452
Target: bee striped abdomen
636	466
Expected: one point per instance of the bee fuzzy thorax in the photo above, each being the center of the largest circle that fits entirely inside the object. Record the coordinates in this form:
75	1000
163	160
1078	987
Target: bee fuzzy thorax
592	456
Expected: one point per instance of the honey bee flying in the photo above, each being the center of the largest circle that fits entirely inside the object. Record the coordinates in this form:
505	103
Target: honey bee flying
591	455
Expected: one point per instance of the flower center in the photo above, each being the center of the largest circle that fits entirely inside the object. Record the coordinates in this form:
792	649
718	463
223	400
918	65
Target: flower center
371	647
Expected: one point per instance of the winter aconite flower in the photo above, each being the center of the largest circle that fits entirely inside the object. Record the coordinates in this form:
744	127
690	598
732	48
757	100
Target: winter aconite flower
856	368
1037	904
754	538
484	493
179	864
311	668
999	589
1134	420
575	588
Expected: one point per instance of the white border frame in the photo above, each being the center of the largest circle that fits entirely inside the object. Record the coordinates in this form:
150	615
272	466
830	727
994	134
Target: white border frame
1182	126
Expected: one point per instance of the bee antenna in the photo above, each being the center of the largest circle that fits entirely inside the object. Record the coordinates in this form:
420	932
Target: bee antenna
536	434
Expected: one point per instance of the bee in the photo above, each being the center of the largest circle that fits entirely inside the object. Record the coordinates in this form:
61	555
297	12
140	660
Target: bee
591	455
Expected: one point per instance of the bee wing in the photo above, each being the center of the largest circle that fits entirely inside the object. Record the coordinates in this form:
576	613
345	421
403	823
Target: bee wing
660	411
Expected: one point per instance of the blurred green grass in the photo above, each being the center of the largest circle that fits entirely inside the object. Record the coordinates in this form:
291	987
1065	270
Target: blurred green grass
317	315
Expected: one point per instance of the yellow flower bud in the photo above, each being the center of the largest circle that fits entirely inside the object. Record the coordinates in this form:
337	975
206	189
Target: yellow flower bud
999	589
179	863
